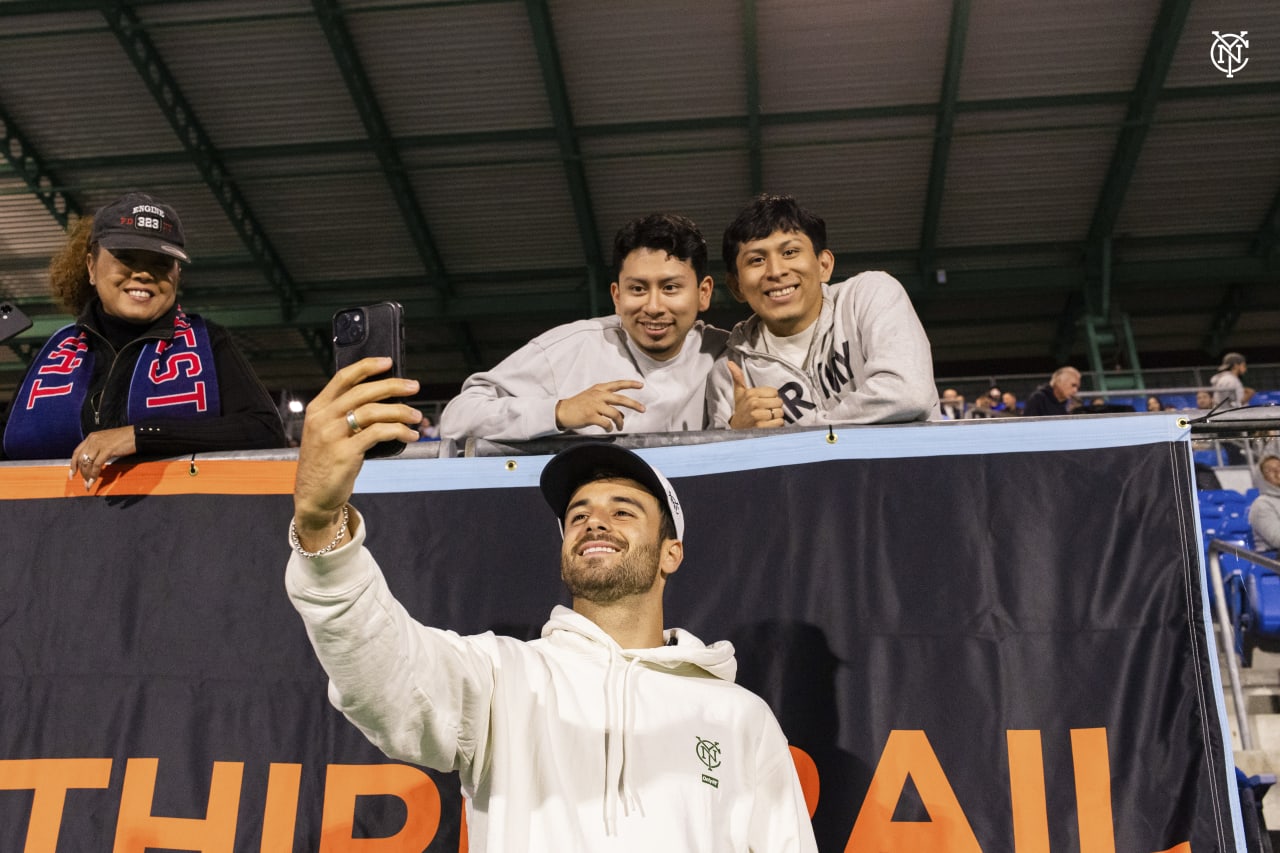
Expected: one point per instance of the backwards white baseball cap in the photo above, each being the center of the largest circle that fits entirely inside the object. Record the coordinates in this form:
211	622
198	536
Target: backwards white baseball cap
573	466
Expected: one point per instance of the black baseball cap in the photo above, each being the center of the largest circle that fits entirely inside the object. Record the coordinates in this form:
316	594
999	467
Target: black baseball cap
573	466
139	221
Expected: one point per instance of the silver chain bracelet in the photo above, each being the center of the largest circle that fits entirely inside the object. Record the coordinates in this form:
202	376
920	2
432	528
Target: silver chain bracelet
297	543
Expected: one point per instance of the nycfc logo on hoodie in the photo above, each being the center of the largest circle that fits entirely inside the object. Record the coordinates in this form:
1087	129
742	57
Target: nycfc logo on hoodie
708	753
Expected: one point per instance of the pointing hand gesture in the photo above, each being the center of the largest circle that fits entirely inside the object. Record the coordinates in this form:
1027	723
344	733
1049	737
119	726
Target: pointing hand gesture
598	405
753	407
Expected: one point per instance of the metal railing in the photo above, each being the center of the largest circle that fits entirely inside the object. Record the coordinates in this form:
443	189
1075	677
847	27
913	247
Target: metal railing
1227	628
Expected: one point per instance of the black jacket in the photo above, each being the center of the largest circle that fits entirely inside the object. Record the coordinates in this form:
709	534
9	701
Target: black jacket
249	418
1043	402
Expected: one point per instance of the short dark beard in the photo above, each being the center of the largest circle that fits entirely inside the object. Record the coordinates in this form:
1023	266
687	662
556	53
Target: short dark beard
635	572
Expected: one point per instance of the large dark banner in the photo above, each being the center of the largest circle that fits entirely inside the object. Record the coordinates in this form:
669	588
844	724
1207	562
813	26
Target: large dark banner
979	638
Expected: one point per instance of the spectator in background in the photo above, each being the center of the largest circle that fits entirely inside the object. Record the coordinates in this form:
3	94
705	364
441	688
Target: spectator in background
1227	386
1010	403
644	369
1056	397
952	405
133	374
997	399
427	431
1154	404
814	352
1264	513
982	408
1204	400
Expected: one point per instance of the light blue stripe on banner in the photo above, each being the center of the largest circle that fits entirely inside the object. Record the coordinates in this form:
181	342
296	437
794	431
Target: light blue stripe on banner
945	438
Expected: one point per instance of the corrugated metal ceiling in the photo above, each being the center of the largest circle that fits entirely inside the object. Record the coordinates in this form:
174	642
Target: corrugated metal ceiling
987	152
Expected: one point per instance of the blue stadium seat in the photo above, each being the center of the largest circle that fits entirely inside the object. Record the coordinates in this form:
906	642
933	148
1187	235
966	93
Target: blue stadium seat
1222	498
1206	457
1253	601
1265	398
1264	601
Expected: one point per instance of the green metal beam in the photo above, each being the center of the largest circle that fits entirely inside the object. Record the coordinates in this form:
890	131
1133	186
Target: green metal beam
544	40
208	160
1225	317
942	135
200	150
516	137
317	313
11	8
1267	241
1265	245
1064	340
1124	275
333	23
21	156
330	15
27	164
1142	106
755	142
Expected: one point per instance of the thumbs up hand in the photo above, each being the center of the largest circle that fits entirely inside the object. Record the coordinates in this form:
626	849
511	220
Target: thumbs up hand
753	407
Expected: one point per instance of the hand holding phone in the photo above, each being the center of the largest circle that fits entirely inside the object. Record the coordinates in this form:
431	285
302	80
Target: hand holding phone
371	330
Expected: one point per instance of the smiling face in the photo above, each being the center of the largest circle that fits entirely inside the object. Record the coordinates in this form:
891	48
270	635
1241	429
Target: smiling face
133	284
658	297
1271	470
613	547
781	277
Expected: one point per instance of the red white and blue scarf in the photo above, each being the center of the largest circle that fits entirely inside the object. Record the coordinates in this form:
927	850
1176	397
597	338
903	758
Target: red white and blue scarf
171	379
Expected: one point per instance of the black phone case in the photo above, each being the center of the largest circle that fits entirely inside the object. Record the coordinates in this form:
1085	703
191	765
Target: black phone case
12	321
384	336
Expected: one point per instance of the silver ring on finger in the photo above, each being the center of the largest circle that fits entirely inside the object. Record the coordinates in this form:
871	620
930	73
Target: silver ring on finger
352	422
86	457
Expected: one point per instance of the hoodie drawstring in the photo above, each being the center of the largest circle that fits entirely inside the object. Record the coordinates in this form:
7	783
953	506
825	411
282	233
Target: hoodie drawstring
610	727
630	799
618	701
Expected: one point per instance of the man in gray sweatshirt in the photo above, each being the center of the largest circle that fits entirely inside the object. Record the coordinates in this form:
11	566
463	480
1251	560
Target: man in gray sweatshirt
814	352
644	369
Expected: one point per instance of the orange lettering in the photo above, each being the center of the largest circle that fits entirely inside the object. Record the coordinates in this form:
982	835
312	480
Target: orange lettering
280	817
1092	765
1026	792
807	770
137	829
908	753
51	778
344	782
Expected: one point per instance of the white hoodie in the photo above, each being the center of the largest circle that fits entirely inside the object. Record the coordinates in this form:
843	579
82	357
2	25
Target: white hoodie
869	361
1264	512
516	400
567	743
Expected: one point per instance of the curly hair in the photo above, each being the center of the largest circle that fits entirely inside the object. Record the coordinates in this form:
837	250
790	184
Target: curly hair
68	275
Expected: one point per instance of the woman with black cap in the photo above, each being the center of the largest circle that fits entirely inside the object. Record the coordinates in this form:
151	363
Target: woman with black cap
134	374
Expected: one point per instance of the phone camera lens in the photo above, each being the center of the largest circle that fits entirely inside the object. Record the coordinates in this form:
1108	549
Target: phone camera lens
349	327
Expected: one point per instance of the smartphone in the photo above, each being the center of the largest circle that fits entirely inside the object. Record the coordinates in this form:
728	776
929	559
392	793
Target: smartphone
371	330
12	321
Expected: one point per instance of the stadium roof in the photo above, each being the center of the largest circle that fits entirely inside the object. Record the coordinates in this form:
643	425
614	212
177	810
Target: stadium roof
1020	166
